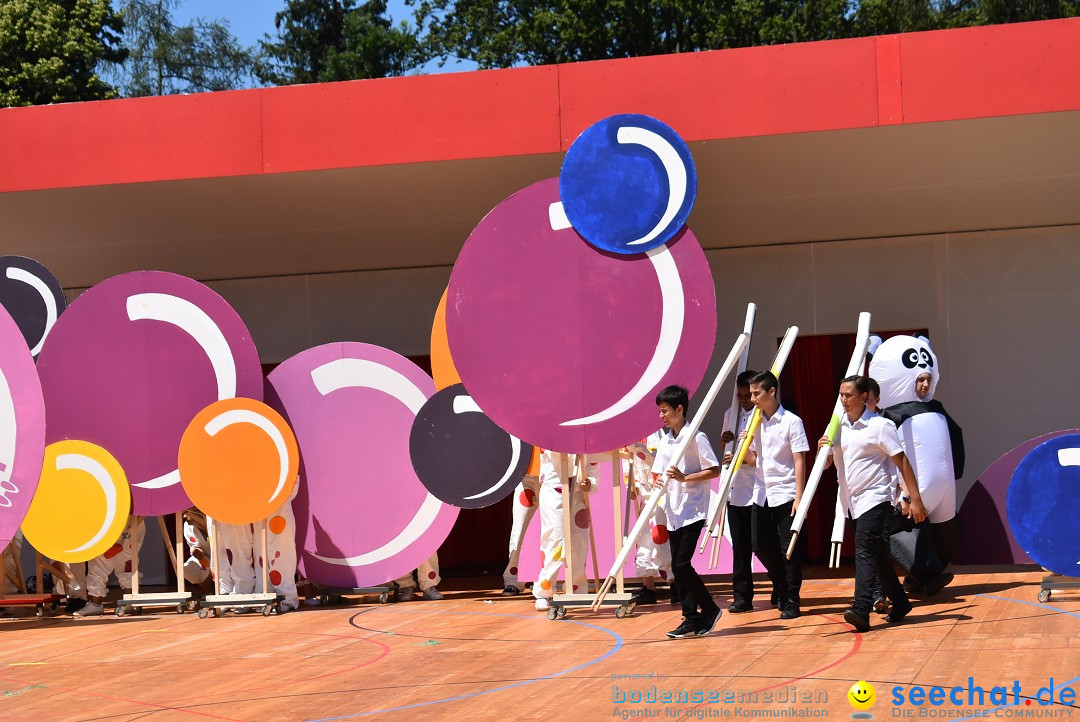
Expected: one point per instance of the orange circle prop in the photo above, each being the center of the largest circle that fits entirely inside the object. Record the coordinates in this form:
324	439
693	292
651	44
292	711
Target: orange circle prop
534	463
81	505
442	365
238	461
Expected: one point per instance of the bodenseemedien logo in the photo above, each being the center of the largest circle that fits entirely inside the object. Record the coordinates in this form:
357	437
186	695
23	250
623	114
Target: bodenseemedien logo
862	696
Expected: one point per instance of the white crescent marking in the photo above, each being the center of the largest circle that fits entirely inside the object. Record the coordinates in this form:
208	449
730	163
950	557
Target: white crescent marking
557	217
673	166
671	328
19	274
8	435
1069	457
246	416
465	404
361	373
196	323
101	476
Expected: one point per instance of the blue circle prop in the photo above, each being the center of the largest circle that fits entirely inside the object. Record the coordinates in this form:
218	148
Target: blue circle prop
628	184
1043	504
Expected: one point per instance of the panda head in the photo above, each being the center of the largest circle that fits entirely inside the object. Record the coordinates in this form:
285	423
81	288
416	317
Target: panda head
897	362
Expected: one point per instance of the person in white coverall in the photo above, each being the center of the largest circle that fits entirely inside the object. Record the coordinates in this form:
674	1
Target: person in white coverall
526	501
551	526
116	560
652	560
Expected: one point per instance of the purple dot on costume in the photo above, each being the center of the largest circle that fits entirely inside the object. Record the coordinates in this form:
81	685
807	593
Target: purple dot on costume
581	519
431	575
558	489
575	587
513	570
228	555
663	574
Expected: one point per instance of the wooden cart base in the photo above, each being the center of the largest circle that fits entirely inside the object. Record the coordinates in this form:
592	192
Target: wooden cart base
180	601
624	607
328	595
1056	581
46	604
267	603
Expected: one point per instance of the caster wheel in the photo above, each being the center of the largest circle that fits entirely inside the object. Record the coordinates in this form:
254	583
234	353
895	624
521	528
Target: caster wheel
562	612
203	613
121	610
620	612
384	598
218	612
552	613
325	599
266	610
40	611
1044	595
180	608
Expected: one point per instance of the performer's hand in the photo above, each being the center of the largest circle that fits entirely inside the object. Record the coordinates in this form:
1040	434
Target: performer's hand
728	458
795	504
905	509
917	511
675	474
742	434
823	442
726	437
585	483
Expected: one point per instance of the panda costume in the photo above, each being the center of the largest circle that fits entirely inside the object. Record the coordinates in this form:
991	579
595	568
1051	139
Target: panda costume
932	441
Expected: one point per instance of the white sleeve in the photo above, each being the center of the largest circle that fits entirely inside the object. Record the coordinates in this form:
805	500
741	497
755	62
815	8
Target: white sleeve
797	436
706	455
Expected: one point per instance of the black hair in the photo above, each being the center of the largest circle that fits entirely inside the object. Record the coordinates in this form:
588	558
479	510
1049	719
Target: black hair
874	387
744	378
675	396
862	383
766	379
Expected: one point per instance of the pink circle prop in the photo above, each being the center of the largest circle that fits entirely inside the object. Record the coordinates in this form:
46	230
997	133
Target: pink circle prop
362	516
22	428
132	361
546	329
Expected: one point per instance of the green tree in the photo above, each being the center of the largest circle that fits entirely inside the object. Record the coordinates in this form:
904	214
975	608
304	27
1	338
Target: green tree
50	50
328	40
165	58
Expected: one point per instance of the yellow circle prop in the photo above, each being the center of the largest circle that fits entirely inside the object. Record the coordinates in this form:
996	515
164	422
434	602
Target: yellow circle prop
81	505
238	460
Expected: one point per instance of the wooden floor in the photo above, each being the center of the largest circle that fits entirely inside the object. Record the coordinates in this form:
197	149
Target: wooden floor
481	655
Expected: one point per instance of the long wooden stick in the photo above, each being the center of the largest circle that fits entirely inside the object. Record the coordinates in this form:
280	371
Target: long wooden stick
858	356
676	457
616	486
568	520
755	421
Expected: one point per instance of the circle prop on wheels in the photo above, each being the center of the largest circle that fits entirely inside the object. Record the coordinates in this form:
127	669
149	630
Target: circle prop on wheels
565	346
238	461
82	503
1043	504
628	183
362	515
461	456
130	364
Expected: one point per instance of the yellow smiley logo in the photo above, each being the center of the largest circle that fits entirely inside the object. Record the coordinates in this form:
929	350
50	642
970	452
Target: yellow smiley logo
862	695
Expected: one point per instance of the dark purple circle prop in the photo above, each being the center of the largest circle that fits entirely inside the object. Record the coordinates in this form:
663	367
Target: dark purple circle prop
362	515
22	428
461	456
33	296
565	346
130	364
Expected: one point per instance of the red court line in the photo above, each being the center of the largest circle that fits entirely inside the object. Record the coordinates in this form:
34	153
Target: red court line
120	699
851	653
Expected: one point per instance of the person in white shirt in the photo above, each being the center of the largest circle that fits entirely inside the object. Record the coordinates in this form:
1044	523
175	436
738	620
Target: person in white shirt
741	501
779	449
687	501
867	453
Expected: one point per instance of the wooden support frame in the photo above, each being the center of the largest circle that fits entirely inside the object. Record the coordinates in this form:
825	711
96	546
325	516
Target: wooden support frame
180	599
265	601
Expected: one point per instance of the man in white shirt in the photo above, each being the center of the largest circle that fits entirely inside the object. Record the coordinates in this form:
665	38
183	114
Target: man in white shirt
687	500
867	452
741	501
779	449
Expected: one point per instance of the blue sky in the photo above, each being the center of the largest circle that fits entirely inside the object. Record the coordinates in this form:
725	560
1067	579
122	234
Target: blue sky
249	20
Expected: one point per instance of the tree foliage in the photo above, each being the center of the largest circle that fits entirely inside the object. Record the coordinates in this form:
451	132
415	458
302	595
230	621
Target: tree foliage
50	50
165	58
327	40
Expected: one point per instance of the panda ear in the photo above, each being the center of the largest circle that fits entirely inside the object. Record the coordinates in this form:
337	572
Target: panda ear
924	339
875	341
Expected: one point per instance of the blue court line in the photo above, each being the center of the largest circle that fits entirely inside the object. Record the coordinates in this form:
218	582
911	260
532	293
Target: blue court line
1037	605
618	645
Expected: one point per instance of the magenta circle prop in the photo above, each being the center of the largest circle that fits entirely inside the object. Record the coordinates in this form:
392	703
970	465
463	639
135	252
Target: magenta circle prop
132	361
22	428
362	516
545	329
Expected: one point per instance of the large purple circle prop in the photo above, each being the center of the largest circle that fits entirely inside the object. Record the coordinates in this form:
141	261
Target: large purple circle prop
22	428
362	515
130	364
33	297
565	346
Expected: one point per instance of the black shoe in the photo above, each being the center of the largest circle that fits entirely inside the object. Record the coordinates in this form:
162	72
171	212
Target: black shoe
900	610
775	599
912	585
510	591
740	607
676	598
684	630
938	583
707	622
791	611
881	605
861	623
644	596
74	604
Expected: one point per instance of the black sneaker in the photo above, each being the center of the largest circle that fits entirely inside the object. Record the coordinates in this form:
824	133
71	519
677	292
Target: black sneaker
912	585
861	623
791	611
707	622
938	583
74	604
510	591
684	630
881	605
644	596
900	610
740	608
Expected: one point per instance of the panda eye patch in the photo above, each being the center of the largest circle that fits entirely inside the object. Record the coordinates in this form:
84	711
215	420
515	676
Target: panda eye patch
910	358
926	358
